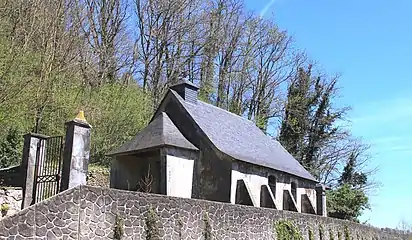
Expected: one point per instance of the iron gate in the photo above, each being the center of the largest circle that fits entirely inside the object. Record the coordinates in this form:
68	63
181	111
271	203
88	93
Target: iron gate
48	168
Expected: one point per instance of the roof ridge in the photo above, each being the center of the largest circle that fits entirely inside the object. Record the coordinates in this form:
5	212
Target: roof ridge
222	109
162	124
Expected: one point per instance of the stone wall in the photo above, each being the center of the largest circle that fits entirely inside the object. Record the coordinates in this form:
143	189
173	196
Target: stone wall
12	198
101	213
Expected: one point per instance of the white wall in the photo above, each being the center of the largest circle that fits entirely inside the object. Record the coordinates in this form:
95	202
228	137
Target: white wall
253	183
179	176
279	192
311	195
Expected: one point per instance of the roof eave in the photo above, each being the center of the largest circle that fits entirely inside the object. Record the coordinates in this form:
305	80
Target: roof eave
143	150
265	166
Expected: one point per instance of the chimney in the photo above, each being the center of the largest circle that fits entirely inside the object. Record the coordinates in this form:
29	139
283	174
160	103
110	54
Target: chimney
187	90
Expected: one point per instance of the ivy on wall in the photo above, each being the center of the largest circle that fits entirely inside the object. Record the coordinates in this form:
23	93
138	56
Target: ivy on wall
331	235
321	233
152	225
311	235
207	234
118	228
180	225
286	230
346	233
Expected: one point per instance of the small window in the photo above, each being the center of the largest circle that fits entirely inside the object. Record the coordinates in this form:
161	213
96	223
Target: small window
272	184
293	190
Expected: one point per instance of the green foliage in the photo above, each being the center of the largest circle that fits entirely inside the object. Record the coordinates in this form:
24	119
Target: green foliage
10	148
116	113
331	235
37	97
118	228
4	207
180	227
348	199
321	232
309	121
152	225
286	230
207	233
339	235
346	202
346	233
350	175
311	235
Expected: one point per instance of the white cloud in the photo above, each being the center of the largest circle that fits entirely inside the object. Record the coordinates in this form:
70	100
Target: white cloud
266	8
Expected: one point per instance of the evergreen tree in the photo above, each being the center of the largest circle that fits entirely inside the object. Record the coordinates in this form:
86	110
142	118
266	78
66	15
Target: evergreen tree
346	203
309	121
348	199
351	176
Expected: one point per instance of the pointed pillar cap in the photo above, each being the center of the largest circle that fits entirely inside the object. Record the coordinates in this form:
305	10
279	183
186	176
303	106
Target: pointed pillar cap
80	120
80	116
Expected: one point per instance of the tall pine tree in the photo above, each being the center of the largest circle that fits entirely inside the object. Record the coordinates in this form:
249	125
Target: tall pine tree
309	121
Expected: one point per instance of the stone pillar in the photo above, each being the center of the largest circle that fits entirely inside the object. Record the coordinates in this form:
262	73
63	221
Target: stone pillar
321	200
76	153
31	149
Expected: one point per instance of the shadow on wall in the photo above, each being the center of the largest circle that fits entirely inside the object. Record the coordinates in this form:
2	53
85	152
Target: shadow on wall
289	203
266	199
243	194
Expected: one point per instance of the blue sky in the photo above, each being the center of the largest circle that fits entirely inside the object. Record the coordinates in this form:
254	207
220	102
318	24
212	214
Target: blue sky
370	44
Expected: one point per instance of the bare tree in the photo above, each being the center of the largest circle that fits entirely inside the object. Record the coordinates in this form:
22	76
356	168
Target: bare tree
405	226
109	49
274	65
167	42
42	51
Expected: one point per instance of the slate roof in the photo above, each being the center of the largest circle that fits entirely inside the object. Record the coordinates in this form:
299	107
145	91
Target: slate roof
160	132
187	82
242	139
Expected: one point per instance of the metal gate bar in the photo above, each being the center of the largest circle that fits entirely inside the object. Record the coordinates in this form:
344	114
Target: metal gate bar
48	168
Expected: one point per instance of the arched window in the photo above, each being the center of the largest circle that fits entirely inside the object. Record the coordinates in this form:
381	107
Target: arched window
293	190
272	184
